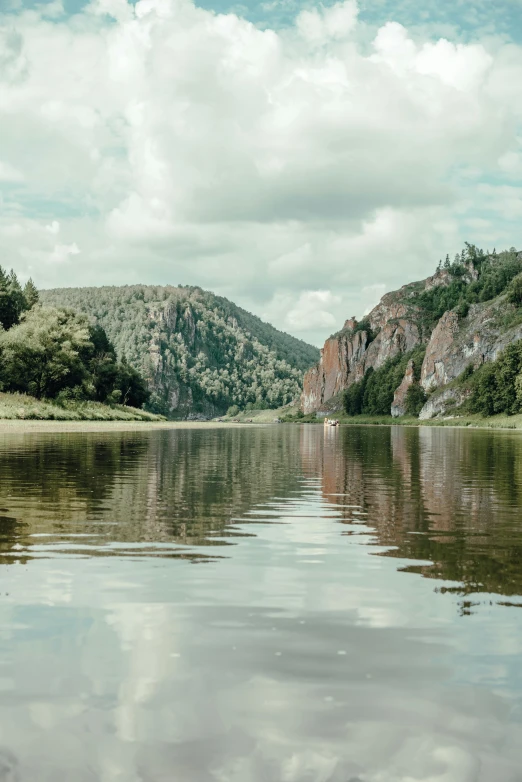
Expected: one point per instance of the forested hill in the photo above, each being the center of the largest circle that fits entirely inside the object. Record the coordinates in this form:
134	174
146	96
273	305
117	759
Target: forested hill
199	352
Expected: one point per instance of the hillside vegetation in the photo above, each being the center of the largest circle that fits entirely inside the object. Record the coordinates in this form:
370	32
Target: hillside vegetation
200	353
50	353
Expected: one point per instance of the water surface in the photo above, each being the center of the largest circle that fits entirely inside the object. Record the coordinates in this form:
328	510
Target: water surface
264	604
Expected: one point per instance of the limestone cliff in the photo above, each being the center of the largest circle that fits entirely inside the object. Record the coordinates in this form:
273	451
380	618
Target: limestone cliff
481	322
398	407
392	327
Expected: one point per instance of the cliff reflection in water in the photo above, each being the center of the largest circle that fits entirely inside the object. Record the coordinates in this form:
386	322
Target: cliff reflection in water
450	500
166	488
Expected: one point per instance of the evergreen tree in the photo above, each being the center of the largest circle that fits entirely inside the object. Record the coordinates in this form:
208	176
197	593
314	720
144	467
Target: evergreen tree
12	301
31	294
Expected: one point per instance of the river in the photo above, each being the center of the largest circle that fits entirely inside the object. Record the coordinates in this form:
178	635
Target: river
261	604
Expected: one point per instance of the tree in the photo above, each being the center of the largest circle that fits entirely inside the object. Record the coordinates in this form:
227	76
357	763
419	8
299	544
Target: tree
514	294
31	294
41	355
12	301
129	386
415	399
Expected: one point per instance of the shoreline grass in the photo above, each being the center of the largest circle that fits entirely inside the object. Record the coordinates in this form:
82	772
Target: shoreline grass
20	407
472	421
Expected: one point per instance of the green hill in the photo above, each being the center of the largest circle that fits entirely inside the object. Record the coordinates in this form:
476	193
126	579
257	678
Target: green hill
199	352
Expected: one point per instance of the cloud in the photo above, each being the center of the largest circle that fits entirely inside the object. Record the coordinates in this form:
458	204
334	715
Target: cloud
9	174
13	64
324	24
53	228
176	145
312	311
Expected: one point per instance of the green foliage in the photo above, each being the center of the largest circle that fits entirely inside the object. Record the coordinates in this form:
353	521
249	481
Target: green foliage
514	291
53	353
233	410
415	399
363	325
31	294
194	347
496	387
12	299
373	394
24	407
495	273
42	355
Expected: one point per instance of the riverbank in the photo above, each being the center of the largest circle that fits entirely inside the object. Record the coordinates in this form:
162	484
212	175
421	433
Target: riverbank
20	407
468	421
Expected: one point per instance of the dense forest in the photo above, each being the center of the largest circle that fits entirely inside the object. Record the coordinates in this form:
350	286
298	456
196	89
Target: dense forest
56	353
199	352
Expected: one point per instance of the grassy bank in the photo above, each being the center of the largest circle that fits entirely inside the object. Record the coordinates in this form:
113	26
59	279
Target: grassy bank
22	407
260	416
473	421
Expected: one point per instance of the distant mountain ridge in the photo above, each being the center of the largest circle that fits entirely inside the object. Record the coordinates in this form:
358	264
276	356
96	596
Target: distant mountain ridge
442	328
199	352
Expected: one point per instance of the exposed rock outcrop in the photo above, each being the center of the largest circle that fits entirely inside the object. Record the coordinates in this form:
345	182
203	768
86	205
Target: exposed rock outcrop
397	325
347	355
434	370
399	399
443	403
454	343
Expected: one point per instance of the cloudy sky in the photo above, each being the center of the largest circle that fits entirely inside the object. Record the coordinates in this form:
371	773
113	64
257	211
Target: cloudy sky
299	158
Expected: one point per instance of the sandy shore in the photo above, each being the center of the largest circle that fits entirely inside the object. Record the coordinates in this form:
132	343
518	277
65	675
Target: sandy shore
11	426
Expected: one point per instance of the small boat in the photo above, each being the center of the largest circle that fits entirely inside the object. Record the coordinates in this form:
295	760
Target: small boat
331	422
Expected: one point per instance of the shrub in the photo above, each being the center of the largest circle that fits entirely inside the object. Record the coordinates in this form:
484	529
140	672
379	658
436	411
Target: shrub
514	293
415	399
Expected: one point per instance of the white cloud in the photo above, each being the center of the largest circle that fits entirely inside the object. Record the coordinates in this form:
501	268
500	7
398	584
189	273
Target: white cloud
53	228
324	24
176	145
312	311
9	174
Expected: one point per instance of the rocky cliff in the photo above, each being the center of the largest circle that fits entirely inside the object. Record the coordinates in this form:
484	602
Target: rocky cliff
392	327
481	322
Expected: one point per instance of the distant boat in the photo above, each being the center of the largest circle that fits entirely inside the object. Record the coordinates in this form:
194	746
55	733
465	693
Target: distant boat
331	422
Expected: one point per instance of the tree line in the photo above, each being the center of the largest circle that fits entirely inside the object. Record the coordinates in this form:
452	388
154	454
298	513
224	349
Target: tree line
56	353
200	350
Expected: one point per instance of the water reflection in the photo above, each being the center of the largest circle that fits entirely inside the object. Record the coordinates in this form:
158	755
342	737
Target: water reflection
296	655
448	500
113	493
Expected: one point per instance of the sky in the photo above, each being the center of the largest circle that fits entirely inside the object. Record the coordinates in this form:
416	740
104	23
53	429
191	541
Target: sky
300	158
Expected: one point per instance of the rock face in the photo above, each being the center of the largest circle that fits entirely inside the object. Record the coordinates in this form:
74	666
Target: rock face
397	325
392	328
454	343
434	370
399	400
443	403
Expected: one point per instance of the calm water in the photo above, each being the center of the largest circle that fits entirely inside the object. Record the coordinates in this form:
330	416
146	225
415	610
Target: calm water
265	604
